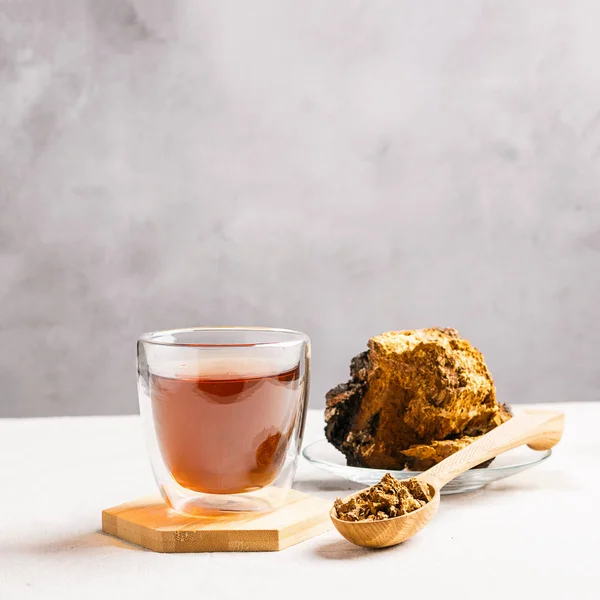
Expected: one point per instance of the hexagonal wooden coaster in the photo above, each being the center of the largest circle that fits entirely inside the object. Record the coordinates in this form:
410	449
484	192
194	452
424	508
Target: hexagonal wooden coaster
151	524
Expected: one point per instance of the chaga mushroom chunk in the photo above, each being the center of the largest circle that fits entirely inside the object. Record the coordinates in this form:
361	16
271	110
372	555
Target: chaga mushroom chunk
413	398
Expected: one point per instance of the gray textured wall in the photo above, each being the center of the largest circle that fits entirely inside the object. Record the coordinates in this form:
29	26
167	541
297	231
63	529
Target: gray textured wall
339	167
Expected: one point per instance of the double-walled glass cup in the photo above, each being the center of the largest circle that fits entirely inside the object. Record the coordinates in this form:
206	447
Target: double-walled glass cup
223	411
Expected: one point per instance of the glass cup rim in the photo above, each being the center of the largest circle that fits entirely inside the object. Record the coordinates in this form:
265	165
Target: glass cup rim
150	337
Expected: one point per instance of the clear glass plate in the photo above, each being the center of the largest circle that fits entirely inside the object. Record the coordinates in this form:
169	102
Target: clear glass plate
322	454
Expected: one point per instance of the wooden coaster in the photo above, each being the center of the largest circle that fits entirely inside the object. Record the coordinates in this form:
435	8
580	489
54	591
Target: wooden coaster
150	523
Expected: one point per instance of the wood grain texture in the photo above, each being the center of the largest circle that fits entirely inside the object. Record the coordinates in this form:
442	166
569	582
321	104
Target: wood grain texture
540	430
151	524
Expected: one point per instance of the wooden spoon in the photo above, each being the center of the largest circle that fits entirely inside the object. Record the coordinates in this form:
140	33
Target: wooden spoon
540	430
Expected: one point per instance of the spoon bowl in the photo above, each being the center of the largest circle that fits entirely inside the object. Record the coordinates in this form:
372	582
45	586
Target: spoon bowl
540	430
387	532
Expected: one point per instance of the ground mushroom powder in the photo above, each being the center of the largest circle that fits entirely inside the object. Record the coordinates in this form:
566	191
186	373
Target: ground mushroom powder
389	498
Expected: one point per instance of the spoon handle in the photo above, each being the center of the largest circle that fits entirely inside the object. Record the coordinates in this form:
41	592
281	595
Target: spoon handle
539	429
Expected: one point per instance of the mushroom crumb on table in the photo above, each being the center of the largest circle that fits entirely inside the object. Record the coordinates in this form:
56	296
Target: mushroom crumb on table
385	500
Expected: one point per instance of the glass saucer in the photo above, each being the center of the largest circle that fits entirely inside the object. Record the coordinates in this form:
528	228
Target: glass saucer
322	454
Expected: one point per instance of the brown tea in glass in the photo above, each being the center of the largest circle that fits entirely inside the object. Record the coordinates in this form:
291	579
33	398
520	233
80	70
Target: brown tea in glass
225	433
223	409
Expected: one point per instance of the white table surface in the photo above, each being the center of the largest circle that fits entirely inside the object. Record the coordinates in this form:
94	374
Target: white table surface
535	535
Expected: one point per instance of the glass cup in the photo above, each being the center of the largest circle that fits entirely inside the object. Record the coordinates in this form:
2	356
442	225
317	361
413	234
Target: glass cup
223	412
